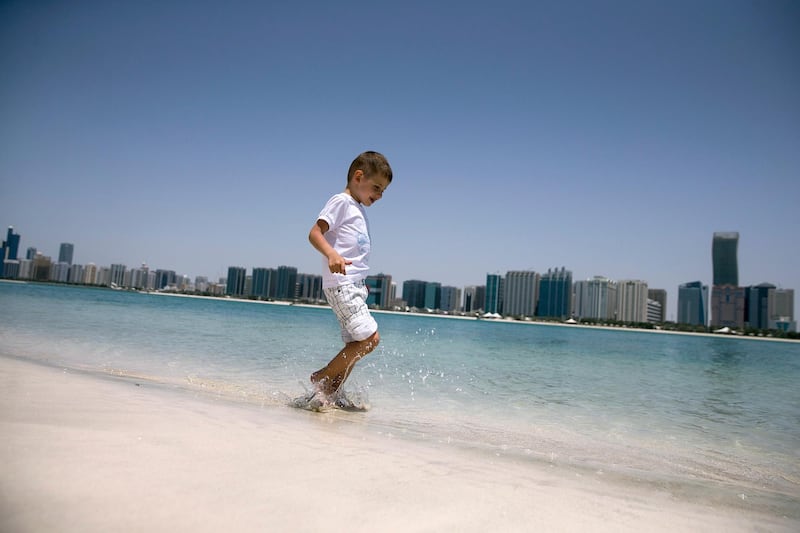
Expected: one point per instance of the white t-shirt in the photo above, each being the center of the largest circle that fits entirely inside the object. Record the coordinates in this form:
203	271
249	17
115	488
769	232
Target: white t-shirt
348	234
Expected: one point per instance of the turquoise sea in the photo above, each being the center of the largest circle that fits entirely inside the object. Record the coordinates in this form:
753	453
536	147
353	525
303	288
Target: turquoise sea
716	418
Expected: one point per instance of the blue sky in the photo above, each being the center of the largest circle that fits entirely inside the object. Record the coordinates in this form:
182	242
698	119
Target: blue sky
612	138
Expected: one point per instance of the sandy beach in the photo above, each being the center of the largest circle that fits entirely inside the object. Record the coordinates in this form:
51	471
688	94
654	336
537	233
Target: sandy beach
85	452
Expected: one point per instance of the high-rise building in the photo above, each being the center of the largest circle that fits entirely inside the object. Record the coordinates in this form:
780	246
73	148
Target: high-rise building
286	283
433	295
264	282
693	304
521	292
118	275
632	301
414	293
380	290
494	294
660	296
596	298
782	310
8	252
724	258
727	298
309	287
727	306
555	294
234	285
758	300
451	299
654	311
65	253
474	297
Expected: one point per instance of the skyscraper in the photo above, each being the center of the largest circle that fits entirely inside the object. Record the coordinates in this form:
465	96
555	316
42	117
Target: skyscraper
234	285
65	253
264	280
555	294
632	301
8	252
414	293
494	294
521	293
727	298
596	298
693	304
286	284
380	288
724	257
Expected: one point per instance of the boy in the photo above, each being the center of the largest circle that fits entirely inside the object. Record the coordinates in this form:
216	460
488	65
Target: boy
341	235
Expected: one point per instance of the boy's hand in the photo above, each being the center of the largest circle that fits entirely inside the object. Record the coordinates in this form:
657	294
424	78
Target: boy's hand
337	263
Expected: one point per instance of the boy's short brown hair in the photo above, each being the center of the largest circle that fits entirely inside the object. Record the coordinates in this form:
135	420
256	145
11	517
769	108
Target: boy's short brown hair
370	163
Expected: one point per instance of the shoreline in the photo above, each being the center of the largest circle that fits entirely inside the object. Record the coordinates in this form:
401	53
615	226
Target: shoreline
88	452
443	316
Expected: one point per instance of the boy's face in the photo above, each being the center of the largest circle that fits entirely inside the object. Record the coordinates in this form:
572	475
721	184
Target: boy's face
367	190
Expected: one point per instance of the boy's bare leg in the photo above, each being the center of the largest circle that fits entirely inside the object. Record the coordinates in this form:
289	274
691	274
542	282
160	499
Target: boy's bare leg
335	373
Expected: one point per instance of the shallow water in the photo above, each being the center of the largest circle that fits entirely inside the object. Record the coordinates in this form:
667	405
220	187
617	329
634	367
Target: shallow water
692	413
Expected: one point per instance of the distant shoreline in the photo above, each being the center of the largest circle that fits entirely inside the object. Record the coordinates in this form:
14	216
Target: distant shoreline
436	315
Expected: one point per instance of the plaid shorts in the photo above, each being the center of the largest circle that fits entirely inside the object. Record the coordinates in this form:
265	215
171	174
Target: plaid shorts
349	303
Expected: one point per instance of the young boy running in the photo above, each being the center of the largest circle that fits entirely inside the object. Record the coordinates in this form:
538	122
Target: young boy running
341	235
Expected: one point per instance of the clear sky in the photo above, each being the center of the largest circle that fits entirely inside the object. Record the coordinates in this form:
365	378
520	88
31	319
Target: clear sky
610	137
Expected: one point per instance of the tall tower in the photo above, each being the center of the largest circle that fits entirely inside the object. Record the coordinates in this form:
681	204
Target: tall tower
65	253
724	256
727	298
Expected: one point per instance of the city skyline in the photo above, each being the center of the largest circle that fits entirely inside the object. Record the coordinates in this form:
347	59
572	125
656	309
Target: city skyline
611	138
494	286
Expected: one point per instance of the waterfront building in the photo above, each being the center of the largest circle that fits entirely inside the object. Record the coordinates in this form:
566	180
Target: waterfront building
103	276
65	253
782	310
414	293
264	283
25	269
555	294
165	278
90	274
380	290
309	287
433	295
451	298
234	285
724	258
286	283
632	301
139	278
31	253
201	283
596	298
757	305
654	312
474	296
10	268
59	272
41	267
8	250
494	294
75	274
660	296
521	293
727	306
693	304
727	298
118	275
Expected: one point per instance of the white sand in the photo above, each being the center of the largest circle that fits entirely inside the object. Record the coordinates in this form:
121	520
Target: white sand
82	453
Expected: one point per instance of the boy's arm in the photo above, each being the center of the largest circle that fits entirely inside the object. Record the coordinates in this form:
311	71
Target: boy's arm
336	263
